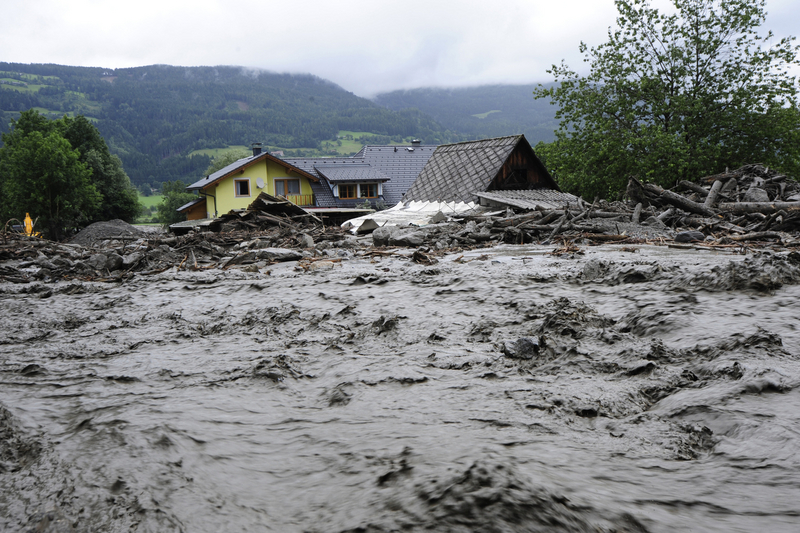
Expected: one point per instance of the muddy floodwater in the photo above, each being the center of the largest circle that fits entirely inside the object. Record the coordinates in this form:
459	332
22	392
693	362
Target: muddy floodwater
625	389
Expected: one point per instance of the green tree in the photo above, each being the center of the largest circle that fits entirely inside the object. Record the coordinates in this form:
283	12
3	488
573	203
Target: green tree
175	195
120	199
675	96
41	174
226	158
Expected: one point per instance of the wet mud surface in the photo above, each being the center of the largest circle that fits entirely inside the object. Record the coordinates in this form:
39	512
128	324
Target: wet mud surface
624	389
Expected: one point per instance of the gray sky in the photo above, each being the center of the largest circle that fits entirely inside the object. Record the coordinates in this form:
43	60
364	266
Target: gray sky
366	46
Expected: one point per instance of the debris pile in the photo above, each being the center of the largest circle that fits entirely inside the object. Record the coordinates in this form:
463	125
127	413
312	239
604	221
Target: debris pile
106	251
752	203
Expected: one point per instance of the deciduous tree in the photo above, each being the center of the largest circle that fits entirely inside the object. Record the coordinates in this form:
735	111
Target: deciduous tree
118	198
41	174
675	96
175	195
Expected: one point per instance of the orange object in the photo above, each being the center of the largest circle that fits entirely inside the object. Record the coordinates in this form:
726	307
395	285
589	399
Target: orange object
29	227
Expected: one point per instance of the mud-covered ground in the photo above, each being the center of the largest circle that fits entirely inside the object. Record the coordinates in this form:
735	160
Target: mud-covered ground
627	388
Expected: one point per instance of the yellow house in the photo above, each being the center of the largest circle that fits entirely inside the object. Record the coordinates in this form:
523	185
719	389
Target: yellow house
238	184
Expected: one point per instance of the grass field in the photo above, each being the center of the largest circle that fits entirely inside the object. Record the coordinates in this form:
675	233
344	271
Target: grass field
150	201
348	138
484	115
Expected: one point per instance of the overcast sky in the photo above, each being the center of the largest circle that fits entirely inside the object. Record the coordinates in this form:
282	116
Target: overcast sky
366	46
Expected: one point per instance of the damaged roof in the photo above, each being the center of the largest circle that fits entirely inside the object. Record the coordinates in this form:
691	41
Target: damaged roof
529	199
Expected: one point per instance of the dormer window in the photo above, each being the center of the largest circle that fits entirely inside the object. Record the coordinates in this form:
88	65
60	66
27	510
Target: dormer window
368	190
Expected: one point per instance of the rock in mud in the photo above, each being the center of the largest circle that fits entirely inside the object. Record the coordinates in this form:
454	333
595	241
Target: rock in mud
690	236
411	239
380	237
756	194
523	348
306	241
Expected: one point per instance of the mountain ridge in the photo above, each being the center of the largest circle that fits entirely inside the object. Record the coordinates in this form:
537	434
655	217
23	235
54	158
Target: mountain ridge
160	118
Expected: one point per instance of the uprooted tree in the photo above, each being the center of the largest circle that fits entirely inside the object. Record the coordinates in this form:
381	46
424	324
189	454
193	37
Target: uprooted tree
673	96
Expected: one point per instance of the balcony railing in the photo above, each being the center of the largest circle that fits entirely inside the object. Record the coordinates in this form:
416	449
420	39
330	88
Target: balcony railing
303	200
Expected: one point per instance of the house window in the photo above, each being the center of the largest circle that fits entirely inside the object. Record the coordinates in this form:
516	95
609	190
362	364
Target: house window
287	187
348	192
241	187
369	190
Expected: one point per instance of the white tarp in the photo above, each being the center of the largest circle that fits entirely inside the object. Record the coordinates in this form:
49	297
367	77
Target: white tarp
416	213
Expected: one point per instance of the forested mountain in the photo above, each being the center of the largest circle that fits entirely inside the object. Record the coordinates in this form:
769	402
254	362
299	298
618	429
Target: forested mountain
154	117
481	112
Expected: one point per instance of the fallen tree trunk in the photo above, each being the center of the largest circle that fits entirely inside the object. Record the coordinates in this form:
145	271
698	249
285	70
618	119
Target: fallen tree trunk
647	191
699	189
765	208
757	236
684	203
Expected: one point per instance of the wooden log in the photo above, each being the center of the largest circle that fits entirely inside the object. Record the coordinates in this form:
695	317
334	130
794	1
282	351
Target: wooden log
655	194
558	227
756	236
765	208
684	203
699	189
712	195
666	214
637	213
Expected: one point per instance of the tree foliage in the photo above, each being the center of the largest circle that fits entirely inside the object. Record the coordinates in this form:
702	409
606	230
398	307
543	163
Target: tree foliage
41	174
61	171
120	199
175	195
675	96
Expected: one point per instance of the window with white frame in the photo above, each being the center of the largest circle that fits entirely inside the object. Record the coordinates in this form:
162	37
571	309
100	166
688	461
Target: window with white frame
241	187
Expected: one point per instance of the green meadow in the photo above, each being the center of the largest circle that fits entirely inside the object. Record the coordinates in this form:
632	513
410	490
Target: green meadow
349	140
484	115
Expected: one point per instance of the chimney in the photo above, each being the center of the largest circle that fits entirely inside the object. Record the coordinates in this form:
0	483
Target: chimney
256	149
416	142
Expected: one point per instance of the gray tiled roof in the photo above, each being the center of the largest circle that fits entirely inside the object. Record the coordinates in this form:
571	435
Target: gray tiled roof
191	204
399	164
323	194
350	173
456	172
322	190
531	199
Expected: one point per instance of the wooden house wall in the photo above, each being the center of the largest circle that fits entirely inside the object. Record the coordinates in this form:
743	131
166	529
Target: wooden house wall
196	212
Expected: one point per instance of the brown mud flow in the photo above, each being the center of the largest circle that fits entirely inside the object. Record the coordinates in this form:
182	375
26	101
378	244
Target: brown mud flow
627	389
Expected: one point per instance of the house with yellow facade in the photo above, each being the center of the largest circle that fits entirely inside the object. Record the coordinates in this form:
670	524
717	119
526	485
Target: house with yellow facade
238	184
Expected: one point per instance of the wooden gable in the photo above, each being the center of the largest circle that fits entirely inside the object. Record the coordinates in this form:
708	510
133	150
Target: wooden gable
522	170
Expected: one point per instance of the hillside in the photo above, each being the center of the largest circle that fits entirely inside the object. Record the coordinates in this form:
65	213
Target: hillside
158	118
480	112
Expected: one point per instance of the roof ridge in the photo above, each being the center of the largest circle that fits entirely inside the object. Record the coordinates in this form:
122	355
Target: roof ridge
461	143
